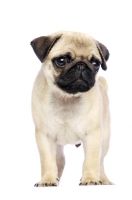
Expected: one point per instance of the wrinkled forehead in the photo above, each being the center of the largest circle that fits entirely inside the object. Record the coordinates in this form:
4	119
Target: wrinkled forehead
80	45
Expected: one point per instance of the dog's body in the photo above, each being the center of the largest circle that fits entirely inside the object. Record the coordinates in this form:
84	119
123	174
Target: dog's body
68	111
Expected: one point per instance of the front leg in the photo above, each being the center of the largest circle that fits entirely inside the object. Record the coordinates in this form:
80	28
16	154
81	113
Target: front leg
92	151
47	151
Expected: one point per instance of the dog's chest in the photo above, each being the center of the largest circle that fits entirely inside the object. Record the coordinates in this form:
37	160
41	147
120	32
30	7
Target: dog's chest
66	122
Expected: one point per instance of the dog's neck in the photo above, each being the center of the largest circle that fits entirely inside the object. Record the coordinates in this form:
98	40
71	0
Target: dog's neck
64	99
66	106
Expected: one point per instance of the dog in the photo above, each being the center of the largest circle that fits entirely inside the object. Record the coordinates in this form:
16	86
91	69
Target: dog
70	105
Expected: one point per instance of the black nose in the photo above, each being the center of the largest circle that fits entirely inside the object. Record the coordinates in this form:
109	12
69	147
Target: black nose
81	66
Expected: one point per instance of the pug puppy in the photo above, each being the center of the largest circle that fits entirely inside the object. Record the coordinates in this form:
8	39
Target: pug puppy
70	105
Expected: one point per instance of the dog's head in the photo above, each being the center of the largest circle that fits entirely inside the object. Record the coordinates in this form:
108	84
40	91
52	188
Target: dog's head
70	60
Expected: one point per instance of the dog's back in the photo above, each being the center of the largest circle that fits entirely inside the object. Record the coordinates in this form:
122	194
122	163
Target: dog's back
103	82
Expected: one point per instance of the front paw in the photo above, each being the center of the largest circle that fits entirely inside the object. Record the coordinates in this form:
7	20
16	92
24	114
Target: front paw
90	182
47	183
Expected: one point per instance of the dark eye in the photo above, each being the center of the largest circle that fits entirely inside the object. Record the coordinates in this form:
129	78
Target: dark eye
95	63
61	61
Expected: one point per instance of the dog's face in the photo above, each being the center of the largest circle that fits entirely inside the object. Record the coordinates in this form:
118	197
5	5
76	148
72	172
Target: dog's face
70	60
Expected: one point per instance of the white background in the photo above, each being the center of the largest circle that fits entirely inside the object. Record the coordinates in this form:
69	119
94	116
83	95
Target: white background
110	22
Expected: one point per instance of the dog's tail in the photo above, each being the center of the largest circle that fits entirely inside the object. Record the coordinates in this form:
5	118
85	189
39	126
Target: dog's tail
103	82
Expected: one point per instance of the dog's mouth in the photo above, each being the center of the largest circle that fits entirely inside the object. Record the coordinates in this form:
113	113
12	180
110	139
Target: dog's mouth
77	86
78	79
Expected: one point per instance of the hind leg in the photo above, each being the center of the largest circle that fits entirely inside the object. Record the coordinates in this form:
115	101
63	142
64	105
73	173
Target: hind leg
103	177
105	148
60	160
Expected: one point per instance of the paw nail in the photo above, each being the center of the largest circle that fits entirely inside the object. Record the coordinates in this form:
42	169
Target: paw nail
54	184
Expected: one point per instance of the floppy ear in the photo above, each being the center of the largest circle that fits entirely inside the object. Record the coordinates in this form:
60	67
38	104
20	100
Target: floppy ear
43	45
104	53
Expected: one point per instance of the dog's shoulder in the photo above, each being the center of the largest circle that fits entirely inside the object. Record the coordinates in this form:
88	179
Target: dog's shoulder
40	85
